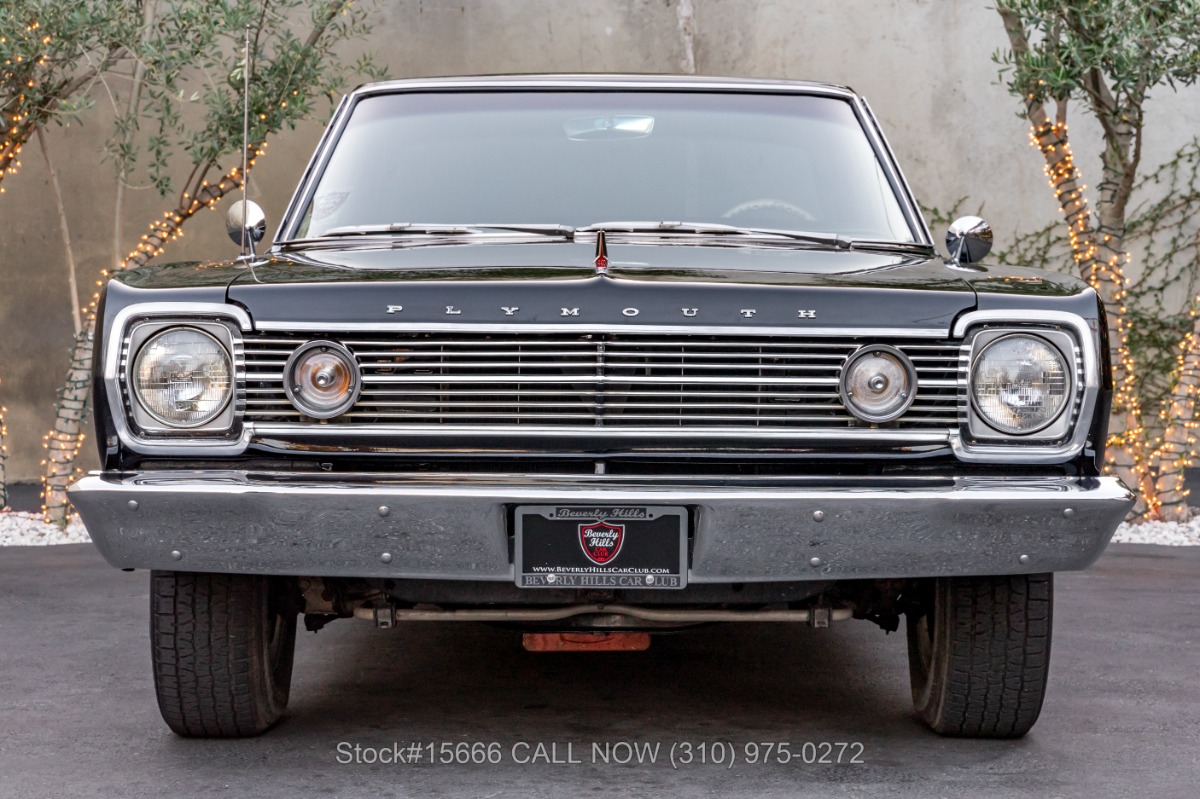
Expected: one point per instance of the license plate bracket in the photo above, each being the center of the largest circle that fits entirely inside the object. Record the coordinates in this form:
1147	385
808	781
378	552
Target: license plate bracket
601	546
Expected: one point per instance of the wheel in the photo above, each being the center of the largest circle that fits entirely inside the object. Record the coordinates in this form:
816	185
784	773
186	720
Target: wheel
979	652
222	646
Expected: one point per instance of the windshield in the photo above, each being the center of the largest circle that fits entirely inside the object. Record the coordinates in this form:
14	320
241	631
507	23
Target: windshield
770	161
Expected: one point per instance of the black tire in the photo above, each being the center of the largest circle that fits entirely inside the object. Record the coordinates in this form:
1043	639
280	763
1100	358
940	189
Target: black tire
979	653
222	647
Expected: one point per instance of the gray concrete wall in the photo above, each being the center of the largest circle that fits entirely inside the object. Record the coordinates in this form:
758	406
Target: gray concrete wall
925	66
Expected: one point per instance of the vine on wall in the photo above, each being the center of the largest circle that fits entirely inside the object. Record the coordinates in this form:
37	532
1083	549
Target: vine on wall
1164	228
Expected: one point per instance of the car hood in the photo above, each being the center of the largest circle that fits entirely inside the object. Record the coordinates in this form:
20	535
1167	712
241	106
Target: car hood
558	283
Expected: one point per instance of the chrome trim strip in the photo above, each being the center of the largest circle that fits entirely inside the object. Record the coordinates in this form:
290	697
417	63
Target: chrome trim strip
1088	344
603	380
901	185
583	328
590	81
332	132
566	488
516	432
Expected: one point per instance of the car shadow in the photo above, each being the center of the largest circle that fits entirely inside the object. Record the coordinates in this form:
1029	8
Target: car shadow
469	681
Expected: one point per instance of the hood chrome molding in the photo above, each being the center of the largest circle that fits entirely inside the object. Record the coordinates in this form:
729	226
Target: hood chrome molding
683	330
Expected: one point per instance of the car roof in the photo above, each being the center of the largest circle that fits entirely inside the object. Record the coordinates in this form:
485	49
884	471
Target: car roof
604	81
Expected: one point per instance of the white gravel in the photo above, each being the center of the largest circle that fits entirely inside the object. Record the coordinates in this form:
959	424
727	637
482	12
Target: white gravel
28	529
1171	534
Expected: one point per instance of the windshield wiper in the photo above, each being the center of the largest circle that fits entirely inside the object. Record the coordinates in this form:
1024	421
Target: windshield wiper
731	232
422	229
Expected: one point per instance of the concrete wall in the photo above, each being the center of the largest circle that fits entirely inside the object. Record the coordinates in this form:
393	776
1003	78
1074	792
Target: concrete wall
925	66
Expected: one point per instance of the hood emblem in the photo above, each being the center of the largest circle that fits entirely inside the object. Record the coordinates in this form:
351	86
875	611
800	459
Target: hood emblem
601	253
601	541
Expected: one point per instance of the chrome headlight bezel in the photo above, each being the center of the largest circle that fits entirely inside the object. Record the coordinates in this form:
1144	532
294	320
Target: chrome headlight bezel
1060	426
139	336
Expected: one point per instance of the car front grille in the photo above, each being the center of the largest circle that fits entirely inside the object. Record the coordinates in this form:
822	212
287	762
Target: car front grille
603	380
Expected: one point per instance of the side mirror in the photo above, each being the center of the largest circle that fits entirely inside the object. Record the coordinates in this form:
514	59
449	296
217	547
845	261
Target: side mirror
968	240
246	224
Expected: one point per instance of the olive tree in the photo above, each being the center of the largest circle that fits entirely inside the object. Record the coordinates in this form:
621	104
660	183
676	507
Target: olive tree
51	56
188	109
1106	56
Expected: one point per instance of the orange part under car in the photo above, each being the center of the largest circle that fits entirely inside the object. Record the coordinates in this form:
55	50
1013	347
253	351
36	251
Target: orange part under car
586	642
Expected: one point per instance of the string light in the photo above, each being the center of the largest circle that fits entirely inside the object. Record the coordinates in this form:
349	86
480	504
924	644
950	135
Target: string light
64	443
17	75
1175	451
3	458
1102	264
1156	461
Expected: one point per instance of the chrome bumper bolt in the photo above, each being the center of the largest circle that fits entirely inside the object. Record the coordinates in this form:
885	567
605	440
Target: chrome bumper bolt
814	562
386	557
384	510
818	516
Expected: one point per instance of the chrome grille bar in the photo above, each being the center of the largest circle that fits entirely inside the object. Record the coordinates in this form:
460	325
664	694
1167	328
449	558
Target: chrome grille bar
603	380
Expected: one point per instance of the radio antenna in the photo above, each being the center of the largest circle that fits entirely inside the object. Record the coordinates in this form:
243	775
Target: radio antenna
247	245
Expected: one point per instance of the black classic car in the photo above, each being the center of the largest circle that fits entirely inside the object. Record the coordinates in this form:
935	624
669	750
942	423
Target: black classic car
595	358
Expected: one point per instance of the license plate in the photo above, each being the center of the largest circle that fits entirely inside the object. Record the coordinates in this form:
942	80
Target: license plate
603	547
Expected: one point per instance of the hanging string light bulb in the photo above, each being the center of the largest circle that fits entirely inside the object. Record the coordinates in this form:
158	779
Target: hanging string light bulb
1102	265
64	443
3	458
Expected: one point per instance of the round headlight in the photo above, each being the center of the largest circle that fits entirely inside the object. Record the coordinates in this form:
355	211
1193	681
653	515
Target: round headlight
182	377
322	379
878	383
1020	384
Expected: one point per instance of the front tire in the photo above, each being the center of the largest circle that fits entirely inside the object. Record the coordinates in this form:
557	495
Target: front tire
979	653
222	647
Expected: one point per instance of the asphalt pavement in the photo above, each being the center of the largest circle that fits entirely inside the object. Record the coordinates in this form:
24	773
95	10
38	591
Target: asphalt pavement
78	716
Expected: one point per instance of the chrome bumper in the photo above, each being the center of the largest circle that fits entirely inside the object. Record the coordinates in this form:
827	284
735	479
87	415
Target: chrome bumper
456	527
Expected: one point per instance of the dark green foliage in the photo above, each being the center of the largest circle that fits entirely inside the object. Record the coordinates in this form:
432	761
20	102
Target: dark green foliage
1077	46
54	54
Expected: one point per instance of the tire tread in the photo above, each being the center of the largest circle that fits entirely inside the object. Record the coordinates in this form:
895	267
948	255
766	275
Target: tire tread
990	679
207	643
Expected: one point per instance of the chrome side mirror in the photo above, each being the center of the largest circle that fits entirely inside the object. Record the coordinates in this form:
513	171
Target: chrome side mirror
246	224
968	240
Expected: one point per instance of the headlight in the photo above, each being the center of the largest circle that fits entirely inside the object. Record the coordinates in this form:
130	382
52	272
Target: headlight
878	383
182	377
322	379
1020	384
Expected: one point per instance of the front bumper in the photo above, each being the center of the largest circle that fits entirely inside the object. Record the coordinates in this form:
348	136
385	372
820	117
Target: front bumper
456	527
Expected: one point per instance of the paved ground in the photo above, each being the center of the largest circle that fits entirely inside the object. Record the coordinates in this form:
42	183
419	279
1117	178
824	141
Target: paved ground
77	712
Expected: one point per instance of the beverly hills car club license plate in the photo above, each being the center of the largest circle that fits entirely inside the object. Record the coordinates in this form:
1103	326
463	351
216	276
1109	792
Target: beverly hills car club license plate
590	546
